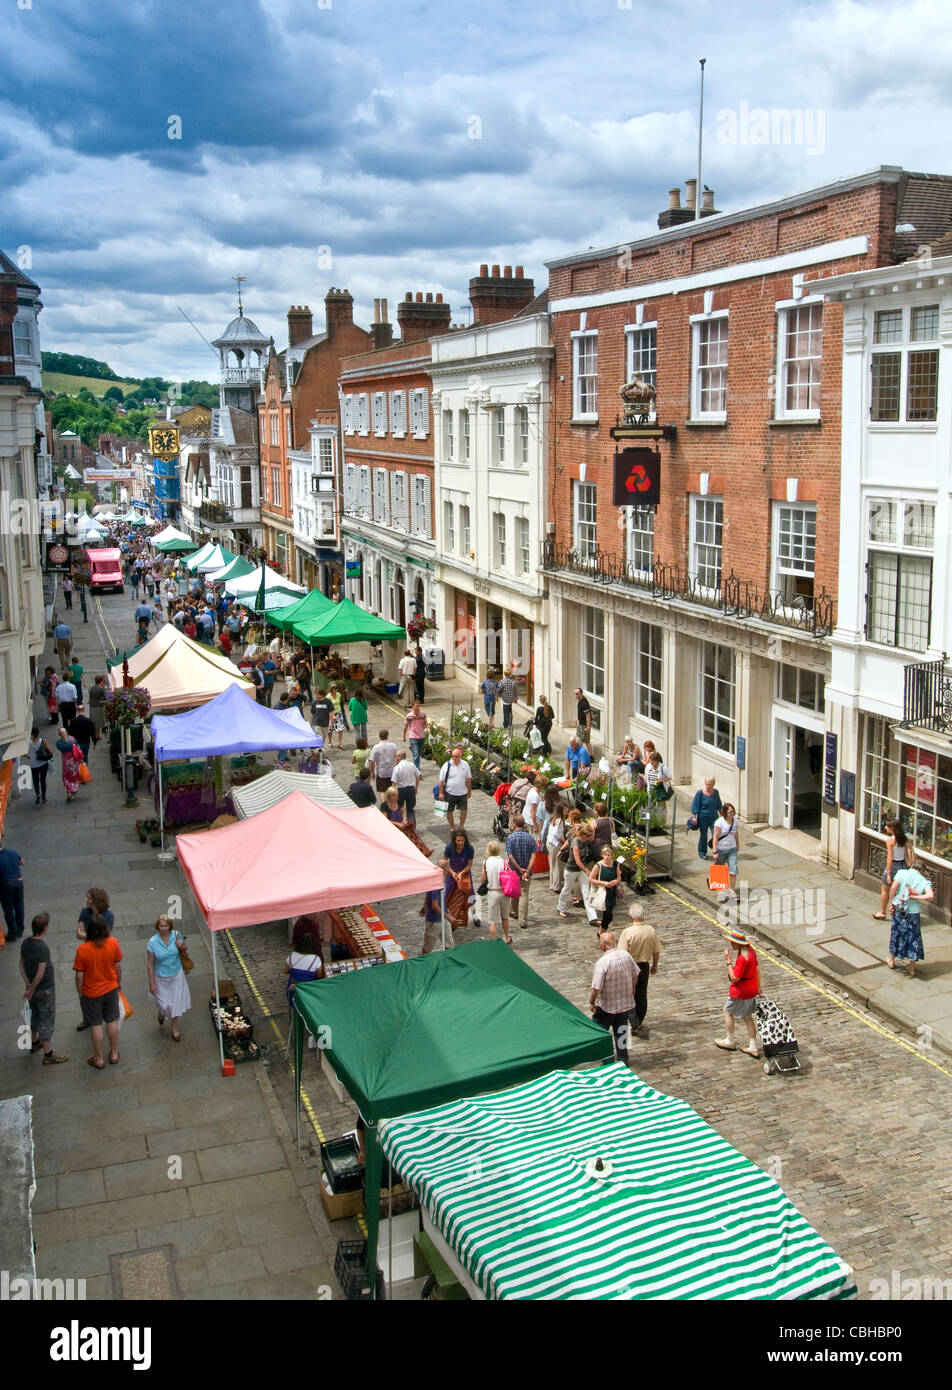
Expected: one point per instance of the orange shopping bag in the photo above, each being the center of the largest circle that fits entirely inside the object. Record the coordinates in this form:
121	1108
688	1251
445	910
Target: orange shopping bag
718	878
84	773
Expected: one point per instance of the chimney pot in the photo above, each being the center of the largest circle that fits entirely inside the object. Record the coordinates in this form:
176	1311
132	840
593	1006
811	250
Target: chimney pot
409	298
674	197
507	272
484	271
707	200
519	272
439	299
690	193
383	311
419	296
495	272
429	297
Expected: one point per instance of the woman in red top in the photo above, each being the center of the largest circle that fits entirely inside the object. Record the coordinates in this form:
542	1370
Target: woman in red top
744	977
98	977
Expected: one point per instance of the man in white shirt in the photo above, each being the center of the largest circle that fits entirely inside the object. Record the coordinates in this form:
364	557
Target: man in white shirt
382	760
456	784
407	668
66	698
532	810
406	778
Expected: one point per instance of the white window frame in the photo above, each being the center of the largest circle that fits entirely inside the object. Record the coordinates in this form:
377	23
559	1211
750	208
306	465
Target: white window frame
584	518
637	351
500	541
419	412
365	496
349	415
699	324
524	544
448	450
904	347
589	397
805	682
895	544
274	429
649	672
790	569
639	539
704	512
465	530
287	419
710	716
398	501
785	312
522	436
464	436
363	413
499	437
381	497
592	652
23	329
325	456
449	526
379	414
398	414
420	518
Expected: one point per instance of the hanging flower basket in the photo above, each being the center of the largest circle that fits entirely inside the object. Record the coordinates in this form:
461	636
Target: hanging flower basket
127	707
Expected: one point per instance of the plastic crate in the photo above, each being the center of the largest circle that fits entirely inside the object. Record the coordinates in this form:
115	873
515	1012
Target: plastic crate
340	1160
350	1267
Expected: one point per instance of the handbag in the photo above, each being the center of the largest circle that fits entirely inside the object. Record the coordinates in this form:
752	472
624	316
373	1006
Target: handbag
44	754
598	898
691	823
483	889
540	862
188	964
125	1008
510	883
84	773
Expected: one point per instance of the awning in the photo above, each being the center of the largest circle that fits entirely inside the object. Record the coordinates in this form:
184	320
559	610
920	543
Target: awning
311	608
230	724
193	561
264	792
179	673
217	558
676	1213
235	569
345	622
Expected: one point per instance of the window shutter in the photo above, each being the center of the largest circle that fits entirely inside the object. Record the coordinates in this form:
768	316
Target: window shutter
427	517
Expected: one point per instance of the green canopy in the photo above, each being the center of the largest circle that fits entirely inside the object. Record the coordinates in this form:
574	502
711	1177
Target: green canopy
346	622
675	1212
140	521
235	569
170	547
422	1032
310	609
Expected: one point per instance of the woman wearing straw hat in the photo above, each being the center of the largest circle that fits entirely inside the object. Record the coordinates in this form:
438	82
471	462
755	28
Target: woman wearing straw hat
744	977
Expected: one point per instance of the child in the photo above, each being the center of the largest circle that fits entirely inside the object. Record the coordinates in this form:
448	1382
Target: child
433	918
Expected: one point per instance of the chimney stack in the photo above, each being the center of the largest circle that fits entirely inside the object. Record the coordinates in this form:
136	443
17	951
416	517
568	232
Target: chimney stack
338	310
707	203
382	330
496	297
690	193
674	214
422	318
300	324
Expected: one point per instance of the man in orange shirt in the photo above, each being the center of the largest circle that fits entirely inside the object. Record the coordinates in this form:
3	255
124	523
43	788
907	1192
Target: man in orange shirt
98	977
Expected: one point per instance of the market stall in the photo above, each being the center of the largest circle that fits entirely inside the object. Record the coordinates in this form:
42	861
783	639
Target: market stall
193	561
514	1197
179	673
267	791
170	541
277	591
230	725
217	558
235	569
266	868
435	1029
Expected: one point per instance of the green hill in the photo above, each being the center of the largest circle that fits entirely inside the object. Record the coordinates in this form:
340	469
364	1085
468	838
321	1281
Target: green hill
72	385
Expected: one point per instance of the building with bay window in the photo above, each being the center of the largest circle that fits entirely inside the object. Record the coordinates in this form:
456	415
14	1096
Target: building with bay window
705	622
889	697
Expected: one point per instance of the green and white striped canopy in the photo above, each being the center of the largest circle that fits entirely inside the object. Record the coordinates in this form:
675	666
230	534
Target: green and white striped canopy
506	1179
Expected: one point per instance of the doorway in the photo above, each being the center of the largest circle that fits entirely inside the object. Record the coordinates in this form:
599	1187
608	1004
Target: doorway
799	782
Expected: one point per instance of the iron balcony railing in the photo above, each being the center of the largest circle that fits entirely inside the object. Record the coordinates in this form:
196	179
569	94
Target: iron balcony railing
733	597
927	696
215	511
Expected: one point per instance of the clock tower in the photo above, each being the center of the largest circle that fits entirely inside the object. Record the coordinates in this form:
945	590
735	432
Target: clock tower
242	352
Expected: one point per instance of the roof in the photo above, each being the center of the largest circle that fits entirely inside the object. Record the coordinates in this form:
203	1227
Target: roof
241	330
675	1212
8	267
264	792
179	673
539	305
242	425
230	724
925	205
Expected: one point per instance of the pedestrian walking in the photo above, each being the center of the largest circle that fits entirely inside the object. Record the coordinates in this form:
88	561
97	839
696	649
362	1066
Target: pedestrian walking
83	731
744	980
66	699
382	760
98	971
581	858
432	914
457	862
407	669
900	854
415	729
338	718
490	689
456	786
258	680
506	694
419	675
613	992
604	880
76	671
168	983
726	841
497	904
40	756
357	707
406	780
643	944
63	638
520	852
48	689
543	719
554	839
705	809
36	971
909	888
68	586
11	892
72	761
134	581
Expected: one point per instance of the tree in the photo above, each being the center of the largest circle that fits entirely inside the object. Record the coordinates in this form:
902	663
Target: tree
113	394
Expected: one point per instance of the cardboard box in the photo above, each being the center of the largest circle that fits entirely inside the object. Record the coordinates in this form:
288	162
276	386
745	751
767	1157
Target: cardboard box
339	1205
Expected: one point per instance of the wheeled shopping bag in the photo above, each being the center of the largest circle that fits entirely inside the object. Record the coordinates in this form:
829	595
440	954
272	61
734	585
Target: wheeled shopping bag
777	1038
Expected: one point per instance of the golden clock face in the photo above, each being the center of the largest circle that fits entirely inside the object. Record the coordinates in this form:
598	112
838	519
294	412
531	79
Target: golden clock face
164	443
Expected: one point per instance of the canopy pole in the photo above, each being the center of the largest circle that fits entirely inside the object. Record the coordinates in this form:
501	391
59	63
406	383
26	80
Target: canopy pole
297	1075
221	1031
165	856
443	912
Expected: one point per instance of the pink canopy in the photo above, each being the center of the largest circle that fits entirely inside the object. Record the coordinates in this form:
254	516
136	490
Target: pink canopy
300	857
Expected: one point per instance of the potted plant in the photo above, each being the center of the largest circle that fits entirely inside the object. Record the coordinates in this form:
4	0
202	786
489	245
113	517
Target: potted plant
634	868
127	708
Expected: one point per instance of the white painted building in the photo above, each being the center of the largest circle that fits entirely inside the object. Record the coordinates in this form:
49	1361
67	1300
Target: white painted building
315	500
889	697
490	414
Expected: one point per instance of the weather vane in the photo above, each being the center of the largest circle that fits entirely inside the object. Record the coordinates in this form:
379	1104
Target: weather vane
240	280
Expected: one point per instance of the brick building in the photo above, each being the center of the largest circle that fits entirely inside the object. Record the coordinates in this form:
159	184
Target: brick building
388	462
298	385
705	624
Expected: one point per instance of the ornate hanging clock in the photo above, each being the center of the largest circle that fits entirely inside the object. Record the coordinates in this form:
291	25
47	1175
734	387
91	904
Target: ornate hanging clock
164	441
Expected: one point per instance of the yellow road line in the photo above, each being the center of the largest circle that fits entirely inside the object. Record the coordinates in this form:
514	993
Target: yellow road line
817	988
305	1098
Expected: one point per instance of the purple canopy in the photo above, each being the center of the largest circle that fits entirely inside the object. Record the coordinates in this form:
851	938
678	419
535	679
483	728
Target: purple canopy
231	723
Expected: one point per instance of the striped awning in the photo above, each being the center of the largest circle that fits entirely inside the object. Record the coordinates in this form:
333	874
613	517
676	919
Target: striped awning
509	1181
267	791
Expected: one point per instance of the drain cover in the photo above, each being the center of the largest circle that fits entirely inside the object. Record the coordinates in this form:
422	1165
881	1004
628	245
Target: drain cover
845	956
145	1275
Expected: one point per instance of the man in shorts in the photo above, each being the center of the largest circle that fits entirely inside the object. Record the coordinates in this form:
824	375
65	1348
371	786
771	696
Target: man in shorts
456	785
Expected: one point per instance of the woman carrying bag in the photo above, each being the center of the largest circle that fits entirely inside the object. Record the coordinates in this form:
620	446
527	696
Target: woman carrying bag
582	857
72	762
605	879
41	755
165	959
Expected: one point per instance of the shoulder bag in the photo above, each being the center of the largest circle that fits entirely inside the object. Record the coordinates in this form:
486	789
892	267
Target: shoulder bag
510	883
188	964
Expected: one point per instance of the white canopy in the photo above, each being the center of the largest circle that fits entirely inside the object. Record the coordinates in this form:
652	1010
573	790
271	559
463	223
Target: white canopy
267	791
171	533
193	561
248	585
179	673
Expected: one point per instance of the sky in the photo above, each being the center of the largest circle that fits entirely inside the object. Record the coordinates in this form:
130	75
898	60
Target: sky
394	145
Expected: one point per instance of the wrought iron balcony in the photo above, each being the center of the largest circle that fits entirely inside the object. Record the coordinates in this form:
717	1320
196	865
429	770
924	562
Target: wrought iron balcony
215	512
734	598
927	696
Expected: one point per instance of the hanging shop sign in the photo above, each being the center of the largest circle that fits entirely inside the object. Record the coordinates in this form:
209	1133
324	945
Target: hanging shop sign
637	478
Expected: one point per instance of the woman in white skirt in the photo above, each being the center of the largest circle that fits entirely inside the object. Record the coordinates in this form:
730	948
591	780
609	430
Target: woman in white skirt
497	904
167	982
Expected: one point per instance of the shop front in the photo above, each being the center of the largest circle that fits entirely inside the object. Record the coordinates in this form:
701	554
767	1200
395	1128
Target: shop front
906	773
490	637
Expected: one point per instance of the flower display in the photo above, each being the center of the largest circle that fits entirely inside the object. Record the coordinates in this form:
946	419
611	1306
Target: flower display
125	707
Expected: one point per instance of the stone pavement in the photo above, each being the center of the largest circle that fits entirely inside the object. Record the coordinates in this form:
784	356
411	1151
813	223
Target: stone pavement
157	1178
